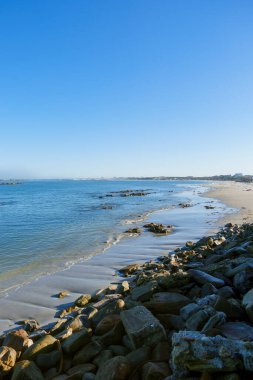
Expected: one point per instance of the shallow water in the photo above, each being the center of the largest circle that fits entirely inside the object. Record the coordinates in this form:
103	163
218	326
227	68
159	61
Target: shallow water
49	225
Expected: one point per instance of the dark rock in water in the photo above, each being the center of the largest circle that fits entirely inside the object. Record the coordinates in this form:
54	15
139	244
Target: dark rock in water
158	228
202	278
142	327
184	205
237	330
133	231
106	207
209	207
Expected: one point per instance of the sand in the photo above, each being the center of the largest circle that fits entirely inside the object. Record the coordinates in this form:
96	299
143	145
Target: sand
236	195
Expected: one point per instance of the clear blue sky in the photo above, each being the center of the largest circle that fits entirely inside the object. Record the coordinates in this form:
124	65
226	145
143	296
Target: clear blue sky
94	88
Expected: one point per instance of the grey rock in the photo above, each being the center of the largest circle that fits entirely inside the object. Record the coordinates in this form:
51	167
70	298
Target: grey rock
142	327
202	278
196	352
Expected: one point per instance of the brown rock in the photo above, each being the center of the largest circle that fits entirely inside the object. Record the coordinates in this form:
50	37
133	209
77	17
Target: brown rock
106	324
18	340
26	370
87	353
76	341
41	346
83	300
7	359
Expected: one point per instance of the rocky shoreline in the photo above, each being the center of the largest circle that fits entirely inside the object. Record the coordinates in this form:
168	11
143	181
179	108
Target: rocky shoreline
187	315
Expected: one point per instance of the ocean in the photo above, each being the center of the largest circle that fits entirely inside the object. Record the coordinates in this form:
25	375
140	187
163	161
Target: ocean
48	225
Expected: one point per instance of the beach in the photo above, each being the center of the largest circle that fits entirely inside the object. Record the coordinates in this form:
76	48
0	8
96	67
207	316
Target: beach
238	195
36	299
163	306
166	282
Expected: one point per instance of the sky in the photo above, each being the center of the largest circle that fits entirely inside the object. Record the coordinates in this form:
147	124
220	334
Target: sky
92	88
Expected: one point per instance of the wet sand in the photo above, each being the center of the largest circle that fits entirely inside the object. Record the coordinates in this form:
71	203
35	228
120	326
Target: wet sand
236	195
37	300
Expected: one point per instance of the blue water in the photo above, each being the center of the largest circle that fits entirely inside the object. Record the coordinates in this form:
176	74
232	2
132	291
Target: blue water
46	225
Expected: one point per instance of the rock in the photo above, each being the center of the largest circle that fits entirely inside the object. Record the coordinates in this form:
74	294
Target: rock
167	302
155	371
83	300
243	281
208	289
116	368
226	292
202	278
87	353
19	340
217	320
26	370
118	350
7	359
114	336
103	357
173	280
198	319
129	269
144	292
142	327
30	325
247	303
41	346
161	352
114	306
237	330
76	341
63	294
157	228
89	376
106	324
187	311
171	321
229	306
133	231
196	352
46	361
141	355
79	370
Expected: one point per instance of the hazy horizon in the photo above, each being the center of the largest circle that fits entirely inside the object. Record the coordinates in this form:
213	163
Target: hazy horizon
125	89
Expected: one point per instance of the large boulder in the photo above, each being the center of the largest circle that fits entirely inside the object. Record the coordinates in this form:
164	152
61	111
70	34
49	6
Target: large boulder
41	346
76	341
117	368
167	303
193	351
26	370
142	327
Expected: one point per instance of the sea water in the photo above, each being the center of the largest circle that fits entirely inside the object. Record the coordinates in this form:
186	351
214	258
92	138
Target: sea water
48	225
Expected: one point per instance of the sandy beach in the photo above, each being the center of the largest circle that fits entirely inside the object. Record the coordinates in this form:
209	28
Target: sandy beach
236	195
